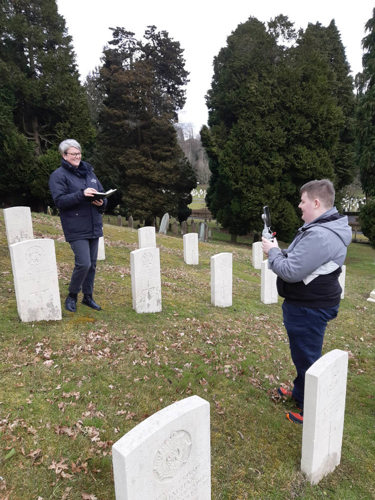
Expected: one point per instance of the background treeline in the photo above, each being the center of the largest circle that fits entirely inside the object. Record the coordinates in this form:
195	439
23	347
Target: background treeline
282	111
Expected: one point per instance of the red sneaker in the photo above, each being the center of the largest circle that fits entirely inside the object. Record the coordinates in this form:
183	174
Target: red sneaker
285	393
296	418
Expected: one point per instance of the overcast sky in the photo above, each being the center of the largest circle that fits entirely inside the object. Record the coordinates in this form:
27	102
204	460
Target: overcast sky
202	27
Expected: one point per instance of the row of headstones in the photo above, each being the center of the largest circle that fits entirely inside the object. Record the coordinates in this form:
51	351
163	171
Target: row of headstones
203	229
168	455
268	292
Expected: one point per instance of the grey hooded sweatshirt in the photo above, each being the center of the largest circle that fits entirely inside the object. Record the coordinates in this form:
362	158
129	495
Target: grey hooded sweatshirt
309	268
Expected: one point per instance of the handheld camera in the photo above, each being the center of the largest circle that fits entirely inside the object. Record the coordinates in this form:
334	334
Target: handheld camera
266	217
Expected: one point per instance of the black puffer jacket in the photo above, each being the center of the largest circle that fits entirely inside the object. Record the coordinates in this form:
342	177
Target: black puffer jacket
80	219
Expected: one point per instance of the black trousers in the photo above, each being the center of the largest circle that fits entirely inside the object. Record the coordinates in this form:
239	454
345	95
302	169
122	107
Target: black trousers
85	255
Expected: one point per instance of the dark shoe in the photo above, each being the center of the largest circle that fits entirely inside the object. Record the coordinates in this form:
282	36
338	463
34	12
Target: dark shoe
71	304
296	418
287	394
90	302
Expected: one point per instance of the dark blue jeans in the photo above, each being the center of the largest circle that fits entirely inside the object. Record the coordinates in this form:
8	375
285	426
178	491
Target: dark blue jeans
85	255
305	327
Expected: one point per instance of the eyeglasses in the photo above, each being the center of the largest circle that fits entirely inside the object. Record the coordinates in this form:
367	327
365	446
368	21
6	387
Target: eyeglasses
75	155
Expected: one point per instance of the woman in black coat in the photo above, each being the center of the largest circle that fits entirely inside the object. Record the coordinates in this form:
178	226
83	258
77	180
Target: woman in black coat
73	186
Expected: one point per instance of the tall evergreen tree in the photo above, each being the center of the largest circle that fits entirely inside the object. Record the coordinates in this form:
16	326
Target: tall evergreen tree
41	80
137	143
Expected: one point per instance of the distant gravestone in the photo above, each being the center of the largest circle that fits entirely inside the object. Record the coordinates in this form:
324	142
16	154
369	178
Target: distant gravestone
193	226
18	224
164	224
191	254
372	296
145	279
323	416
184	227
257	255
130	222
146	237
35	280
268	292
203	231
167	456
119	220
175	228
101	248
221	279
342	278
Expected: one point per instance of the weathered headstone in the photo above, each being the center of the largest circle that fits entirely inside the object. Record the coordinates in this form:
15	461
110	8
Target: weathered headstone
191	253
35	280
101	249
18	224
164	224
323	415
221	279
203	231
342	278
146	237
184	227
193	226
372	296
174	228
268	292
257	255
130	222
145	279
167	456
119	220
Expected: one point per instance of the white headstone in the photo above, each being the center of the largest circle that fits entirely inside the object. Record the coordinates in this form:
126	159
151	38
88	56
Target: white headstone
257	254
101	248
145	278
372	296
323	415
203	231
221	279
164	224
268	289
35	280
146	237
191	254
342	278
167	456
18	224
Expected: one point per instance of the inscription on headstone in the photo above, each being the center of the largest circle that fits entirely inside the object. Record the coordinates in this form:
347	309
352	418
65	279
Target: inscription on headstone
167	456
323	416
145	279
146	237
268	289
257	255
18	224
191	254
221	279
35	280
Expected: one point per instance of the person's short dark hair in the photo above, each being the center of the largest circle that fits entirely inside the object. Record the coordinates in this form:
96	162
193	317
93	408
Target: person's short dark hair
322	189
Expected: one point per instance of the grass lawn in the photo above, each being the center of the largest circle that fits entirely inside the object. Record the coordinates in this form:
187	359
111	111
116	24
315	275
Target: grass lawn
70	389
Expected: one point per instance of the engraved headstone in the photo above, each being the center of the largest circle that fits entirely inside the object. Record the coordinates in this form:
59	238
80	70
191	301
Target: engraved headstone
221	279
101	248
323	416
372	297
257	255
130	222
203	231
145	279
268	291
184	227
18	224
167	456
164	224
35	280
342	278
146	237
191	254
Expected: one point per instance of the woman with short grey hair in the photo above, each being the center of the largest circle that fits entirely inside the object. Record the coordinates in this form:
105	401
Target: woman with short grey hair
73	186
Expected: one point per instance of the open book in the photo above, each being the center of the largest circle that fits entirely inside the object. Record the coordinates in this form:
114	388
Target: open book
100	196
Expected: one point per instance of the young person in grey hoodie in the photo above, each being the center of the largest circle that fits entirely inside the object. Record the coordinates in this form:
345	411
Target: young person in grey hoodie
307	277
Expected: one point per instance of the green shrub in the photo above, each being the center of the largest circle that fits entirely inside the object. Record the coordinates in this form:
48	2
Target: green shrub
367	221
